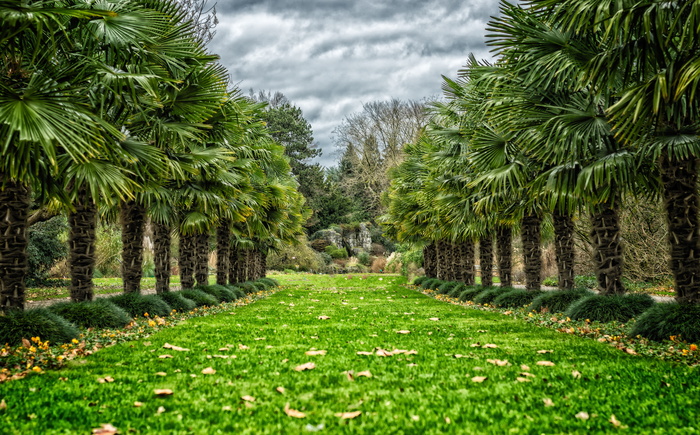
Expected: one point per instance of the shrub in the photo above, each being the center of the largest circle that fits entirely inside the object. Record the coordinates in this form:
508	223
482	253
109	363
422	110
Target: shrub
219	292
488	295
378	265
237	291
663	321
269	282
558	301
420	280
457	290
247	287
100	313
516	298
432	284
319	244
364	259
200	298
445	288
137	305
586	281
42	323
471	292
601	308
46	246
336	252
639	302
258	286
178	302
550	281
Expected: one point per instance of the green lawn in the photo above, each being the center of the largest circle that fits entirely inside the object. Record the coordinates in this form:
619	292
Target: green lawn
435	389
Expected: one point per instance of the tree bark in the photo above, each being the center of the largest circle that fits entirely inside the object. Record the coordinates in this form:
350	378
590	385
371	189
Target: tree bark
607	244
564	249
82	221
680	190
234	266
14	210
532	252
161	256
442	259
244	265
486	260
504	250
201	259
133	218
429	260
223	245
466	269
186	260
263	263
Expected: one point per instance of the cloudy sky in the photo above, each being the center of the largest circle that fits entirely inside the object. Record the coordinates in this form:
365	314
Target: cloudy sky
331	56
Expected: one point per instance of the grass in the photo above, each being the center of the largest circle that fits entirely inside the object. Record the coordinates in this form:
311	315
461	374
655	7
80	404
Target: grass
434	390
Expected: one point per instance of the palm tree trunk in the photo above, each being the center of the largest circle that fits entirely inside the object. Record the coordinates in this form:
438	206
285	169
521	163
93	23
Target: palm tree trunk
82	221
442	258
223	244
486	260
680	186
607	244
466	255
133	217
161	256
504	250
244	265
429	260
201	259
532	253
263	264
234	266
564	249
186	260
14	211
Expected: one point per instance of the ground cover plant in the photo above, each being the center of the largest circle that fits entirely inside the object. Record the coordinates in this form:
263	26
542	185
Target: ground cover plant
355	354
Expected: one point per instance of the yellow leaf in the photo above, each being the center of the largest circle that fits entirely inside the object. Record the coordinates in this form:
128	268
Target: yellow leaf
479	379
105	429
527	375
160	410
226	408
248	398
545	363
293	412
306	366
315	352
208	371
163	392
548	402
348	415
224	349
177	348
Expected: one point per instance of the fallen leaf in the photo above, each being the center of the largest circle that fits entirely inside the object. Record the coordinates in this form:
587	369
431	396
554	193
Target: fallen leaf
476	345
293	412
315	352
434	319
3	404
248	398
412	365
415	418
177	348
479	379
221	356
138	404
630	351
545	351
208	371
615	422
105	429
403	331
525	367
323	317
519	379
458	356
548	402
351	376
306	366
242	346
161	374
160	410
260	338
365	373
482	331
163	392
348	415
582	415
545	363
527	375
165	356
382	352
226	408
489	346
105	380
224	349
498	362
576	374
280	390
364	353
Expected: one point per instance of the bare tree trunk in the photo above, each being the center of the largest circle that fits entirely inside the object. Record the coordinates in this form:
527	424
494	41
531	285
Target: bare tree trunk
133	217
486	260
223	245
186	260
564	249
161	256
81	242
680	186
504	250
466	255
201	259
234	266
605	237
532	252
14	210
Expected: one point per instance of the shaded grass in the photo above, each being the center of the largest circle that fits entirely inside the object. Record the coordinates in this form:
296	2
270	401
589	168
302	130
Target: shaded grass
430	392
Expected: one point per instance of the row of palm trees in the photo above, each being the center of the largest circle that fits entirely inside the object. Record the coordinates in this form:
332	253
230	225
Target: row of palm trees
588	101
116	109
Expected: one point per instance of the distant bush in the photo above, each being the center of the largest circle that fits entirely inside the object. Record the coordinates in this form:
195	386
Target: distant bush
470	292
364	258
550	281
137	305
269	282
319	244
558	301
663	321
247	287
586	281
445	288
516	298
100	313
178	302
432	284
200	298
457	290
46	246
299	257
336	252
237	291
219	292
487	296
378	265
17	324
420	280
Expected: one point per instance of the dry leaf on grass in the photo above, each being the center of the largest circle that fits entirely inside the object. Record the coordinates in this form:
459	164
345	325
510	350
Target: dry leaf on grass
105	429
280	390
519	379
476	345
293	412
163	392
548	402
382	352
348	415
576	374
105	380
208	371
364	353
315	352
403	331
545	351
177	348
582	415
138	404
527	375
160	410
498	362
161	374
615	422
434	319
165	356
479	379
306	366
224	349
365	373
524	367
248	398
243	347
323	317
489	346
545	363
